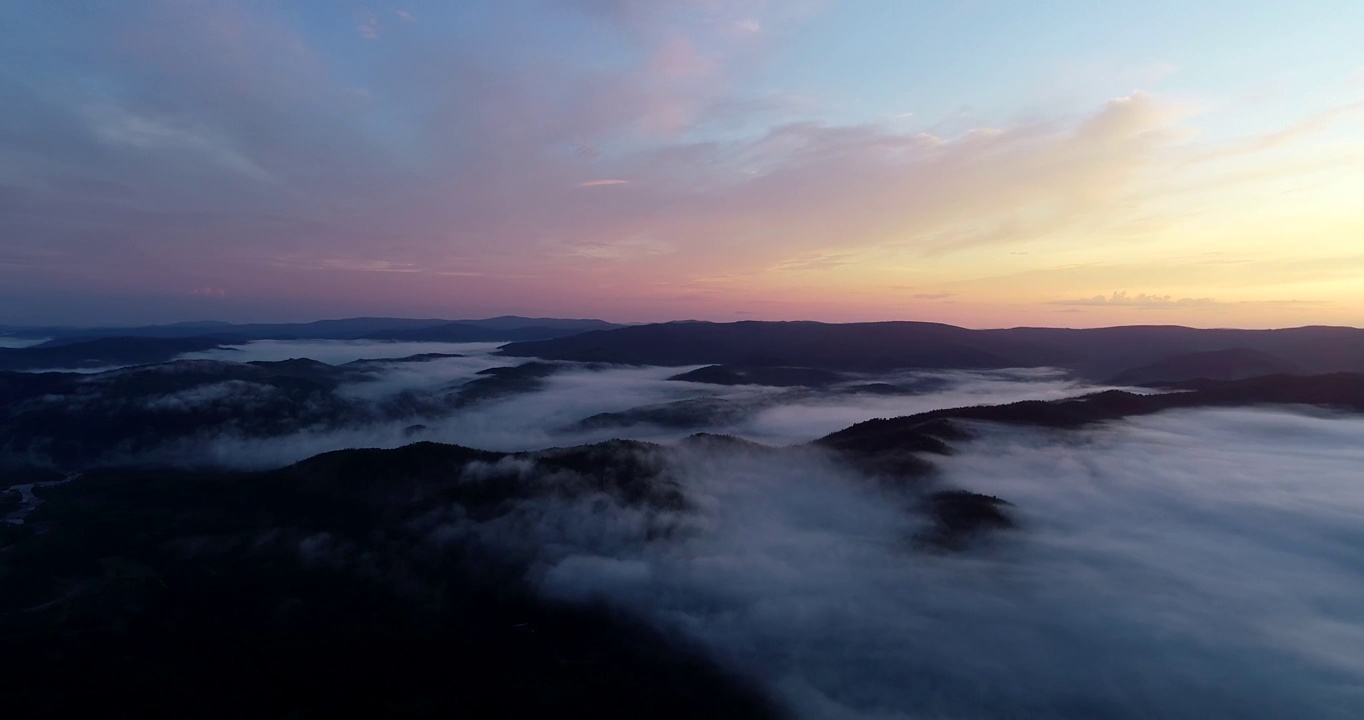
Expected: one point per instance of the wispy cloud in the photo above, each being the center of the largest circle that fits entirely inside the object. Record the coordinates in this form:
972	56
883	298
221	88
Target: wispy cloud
1312	125
1167	302
233	135
121	127
369	28
366	265
622	249
815	262
1141	300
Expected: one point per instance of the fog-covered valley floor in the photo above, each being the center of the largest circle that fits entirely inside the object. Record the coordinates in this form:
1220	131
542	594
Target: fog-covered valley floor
1197	563
1189	565
636	402
18	342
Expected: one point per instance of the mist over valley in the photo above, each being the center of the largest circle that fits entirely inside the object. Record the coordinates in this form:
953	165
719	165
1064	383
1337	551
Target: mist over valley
725	535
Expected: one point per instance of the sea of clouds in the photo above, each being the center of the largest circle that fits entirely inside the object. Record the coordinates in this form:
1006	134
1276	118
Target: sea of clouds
548	416
1202	564
1191	564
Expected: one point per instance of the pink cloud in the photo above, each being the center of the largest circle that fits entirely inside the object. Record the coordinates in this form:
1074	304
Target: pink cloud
1147	301
480	170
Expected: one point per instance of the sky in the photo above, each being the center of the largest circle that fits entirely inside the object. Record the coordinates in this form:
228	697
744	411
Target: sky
983	163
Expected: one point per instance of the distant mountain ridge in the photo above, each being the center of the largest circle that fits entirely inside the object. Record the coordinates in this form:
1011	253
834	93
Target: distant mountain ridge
82	353
1095	353
471	332
1118	355
1230	364
894	444
503	328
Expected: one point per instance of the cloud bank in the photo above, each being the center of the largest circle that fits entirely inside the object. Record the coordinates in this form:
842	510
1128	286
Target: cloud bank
1189	565
552	413
1193	564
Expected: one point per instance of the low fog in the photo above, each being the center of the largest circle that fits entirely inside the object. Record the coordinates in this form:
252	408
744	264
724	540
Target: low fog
550	415
1191	565
9	341
334	352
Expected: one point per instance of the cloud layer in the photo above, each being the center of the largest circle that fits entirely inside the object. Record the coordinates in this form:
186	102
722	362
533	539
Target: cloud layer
518	156
1192	565
552	414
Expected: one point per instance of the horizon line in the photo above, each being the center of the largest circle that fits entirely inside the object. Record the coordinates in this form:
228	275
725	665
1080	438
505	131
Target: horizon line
6	328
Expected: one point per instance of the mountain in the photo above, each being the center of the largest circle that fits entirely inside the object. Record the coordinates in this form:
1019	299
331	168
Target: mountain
1095	353
895	442
769	376
102	352
1232	364
412	582
343	329
688	414
504	328
72	421
360	583
514	322
1102	352
458	332
852	346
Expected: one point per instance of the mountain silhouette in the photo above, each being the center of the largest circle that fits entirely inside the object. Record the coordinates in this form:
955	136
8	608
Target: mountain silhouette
1096	353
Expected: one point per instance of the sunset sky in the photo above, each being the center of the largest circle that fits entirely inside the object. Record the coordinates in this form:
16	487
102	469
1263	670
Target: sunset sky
984	163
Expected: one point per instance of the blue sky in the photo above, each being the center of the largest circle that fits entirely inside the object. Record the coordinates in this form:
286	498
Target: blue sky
975	162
